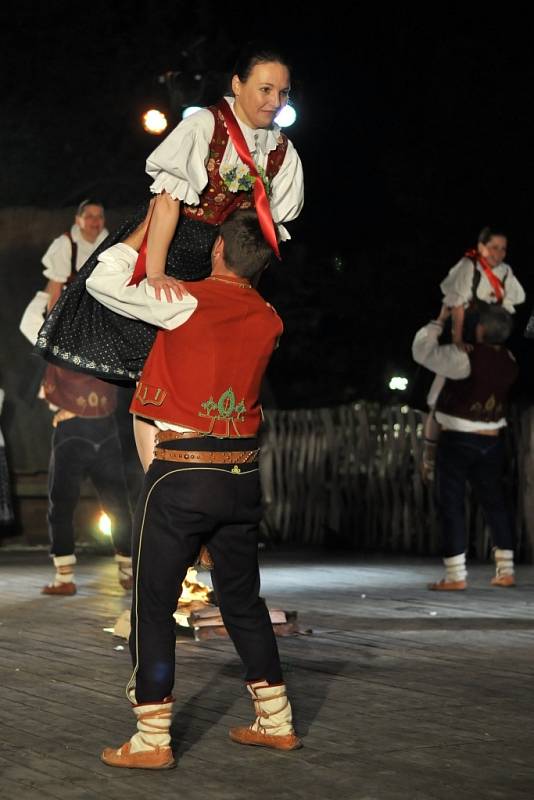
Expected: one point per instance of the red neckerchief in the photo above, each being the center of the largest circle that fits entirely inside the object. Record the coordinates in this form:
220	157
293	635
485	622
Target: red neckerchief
496	284
261	201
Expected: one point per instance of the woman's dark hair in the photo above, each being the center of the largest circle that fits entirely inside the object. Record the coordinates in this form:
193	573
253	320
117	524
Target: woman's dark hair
487	233
257	53
245	250
89	202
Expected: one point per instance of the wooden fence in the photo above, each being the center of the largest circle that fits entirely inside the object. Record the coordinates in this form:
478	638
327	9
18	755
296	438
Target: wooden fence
351	476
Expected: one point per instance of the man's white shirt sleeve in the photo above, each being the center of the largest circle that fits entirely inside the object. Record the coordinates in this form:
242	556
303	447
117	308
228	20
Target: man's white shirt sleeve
108	283
447	360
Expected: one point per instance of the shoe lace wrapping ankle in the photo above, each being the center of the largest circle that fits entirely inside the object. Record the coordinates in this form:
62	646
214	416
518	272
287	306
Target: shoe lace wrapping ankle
261	713
145	724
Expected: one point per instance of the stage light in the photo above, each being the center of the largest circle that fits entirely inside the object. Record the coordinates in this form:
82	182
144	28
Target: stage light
154	121
398	383
104	524
286	116
190	110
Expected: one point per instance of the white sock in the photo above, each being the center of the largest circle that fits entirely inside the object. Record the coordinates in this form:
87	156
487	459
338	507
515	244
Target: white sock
64	569
504	562
455	569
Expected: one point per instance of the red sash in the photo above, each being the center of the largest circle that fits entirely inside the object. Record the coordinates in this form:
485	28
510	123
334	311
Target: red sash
496	284
261	201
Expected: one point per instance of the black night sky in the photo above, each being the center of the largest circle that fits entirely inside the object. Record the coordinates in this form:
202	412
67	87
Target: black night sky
415	130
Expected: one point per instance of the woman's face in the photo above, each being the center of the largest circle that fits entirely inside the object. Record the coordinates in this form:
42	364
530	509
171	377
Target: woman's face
259	99
494	251
91	222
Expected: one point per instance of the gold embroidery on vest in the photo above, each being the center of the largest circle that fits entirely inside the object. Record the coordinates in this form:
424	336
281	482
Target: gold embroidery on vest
225	408
490	410
150	395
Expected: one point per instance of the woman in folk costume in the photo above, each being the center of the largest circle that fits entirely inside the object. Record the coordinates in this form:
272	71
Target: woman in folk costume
480	278
228	156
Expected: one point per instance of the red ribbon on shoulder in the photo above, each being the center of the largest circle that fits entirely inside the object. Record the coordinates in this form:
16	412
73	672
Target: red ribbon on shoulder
261	201
496	284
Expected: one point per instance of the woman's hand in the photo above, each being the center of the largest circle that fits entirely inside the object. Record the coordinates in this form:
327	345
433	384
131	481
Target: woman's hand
463	346
164	283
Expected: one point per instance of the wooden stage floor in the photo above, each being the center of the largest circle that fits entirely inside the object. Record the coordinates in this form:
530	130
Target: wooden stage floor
399	694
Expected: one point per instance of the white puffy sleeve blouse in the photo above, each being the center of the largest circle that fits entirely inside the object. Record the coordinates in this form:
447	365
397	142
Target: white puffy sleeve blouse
178	165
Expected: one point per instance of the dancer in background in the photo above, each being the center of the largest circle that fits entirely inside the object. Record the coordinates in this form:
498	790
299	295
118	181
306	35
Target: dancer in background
479	279
471	411
85	439
7	516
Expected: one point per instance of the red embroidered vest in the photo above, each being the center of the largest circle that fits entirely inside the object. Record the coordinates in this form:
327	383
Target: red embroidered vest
206	374
217	202
483	395
78	393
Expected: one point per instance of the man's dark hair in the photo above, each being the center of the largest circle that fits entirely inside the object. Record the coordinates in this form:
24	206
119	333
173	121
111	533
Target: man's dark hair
497	324
488	233
245	250
88	202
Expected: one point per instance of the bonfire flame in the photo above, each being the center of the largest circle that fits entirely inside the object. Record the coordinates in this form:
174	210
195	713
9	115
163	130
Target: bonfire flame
193	590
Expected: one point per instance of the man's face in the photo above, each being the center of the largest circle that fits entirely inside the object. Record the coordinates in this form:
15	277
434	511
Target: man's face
262	95
494	251
91	222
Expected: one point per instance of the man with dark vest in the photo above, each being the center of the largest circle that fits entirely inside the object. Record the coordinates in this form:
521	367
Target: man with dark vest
200	386
85	440
471	410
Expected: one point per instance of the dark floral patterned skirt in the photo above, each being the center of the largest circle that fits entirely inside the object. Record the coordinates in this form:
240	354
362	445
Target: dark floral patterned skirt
83	335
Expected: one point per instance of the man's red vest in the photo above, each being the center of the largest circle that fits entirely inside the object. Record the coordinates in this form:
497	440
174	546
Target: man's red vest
483	395
206	374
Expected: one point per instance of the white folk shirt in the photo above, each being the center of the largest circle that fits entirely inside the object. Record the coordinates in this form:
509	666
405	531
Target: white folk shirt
450	362
457	287
57	259
178	165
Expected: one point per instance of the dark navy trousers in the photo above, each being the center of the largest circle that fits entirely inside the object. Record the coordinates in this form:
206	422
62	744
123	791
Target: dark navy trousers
182	507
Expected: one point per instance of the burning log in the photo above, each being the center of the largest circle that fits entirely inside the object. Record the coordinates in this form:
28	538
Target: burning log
198	615
207	623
